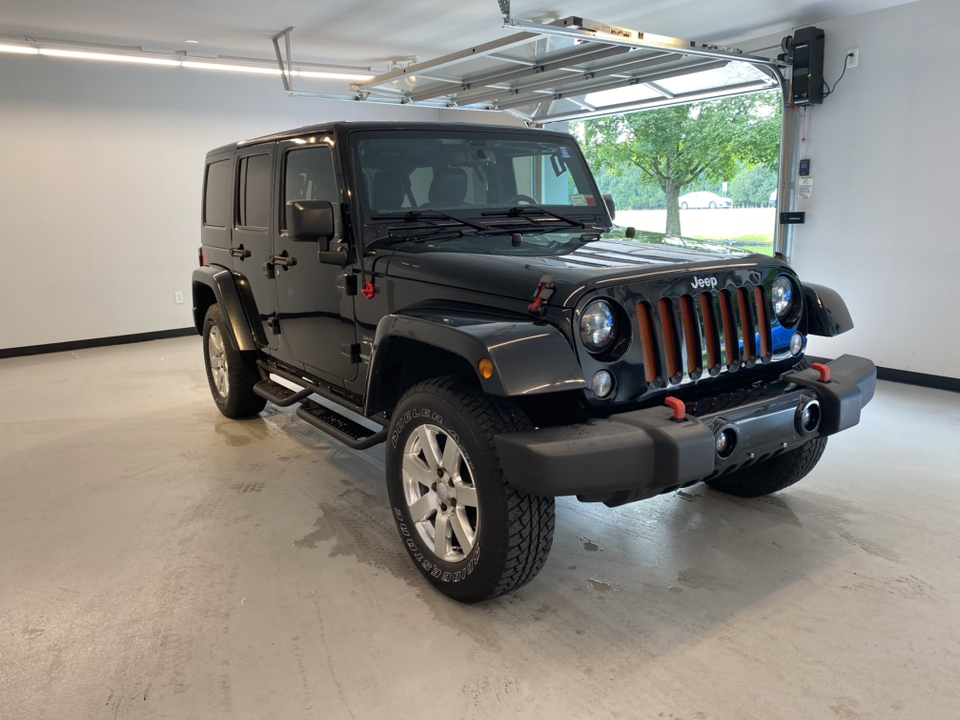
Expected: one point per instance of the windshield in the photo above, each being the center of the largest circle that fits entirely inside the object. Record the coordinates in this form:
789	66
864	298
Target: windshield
470	174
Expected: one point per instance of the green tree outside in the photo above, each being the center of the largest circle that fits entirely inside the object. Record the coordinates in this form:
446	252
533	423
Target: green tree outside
752	186
676	147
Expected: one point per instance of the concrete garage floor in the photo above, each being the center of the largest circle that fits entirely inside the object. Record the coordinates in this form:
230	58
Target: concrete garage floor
160	561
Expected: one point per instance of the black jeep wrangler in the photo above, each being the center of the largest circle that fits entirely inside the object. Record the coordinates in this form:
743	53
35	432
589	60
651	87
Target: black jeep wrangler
453	290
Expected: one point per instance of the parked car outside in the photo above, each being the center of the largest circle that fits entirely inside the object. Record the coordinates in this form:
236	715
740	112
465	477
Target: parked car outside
773	199
704	199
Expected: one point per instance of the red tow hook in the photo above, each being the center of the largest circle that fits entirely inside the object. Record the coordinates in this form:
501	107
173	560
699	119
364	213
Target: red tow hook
824	371
679	408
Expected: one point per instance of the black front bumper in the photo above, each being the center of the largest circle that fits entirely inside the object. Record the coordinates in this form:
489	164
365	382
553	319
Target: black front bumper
639	454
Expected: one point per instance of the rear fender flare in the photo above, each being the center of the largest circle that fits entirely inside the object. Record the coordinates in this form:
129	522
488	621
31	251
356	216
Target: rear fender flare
232	293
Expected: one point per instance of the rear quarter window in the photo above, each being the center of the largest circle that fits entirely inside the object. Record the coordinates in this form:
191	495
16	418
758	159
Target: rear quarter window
216	194
254	196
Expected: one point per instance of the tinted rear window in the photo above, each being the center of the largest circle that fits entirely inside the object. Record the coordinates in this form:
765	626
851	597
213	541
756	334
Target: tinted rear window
216	202
254	210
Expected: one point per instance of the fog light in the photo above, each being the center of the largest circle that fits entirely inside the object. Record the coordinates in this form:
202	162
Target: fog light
602	384
808	417
727	438
796	343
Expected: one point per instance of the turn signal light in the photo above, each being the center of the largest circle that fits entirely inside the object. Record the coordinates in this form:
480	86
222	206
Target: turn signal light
485	367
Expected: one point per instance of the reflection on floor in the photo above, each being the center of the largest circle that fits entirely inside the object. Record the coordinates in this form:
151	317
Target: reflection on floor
159	560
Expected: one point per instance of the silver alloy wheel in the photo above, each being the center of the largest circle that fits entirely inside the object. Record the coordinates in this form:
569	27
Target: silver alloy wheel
218	361
440	493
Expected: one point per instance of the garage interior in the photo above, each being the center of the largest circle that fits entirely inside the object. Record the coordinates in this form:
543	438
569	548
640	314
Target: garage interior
160	560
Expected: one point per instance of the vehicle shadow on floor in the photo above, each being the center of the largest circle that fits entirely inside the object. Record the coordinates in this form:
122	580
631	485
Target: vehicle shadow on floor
678	564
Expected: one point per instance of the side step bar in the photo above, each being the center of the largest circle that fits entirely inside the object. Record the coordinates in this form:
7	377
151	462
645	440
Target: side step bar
325	419
280	394
339	427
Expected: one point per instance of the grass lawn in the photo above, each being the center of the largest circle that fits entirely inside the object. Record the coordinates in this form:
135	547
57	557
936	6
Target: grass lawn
762	244
750	230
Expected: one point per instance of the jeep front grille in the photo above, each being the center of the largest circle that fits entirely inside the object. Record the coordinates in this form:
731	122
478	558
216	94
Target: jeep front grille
710	332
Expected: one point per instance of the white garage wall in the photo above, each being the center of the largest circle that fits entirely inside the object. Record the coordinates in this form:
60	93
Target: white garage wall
882	226
100	179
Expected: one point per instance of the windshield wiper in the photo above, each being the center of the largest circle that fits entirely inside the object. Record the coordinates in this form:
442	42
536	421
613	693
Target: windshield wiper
427	234
415	215
522	210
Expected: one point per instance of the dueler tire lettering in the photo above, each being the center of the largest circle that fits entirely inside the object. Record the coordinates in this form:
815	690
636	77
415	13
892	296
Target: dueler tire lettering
423	413
426	564
510	533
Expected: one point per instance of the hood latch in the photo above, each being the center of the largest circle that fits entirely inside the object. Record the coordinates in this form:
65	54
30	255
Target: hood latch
541	298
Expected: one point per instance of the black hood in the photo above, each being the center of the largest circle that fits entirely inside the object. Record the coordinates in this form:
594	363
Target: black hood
577	269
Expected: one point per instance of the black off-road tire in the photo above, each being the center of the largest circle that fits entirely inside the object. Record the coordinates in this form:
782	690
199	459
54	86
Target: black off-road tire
772	475
514	531
234	398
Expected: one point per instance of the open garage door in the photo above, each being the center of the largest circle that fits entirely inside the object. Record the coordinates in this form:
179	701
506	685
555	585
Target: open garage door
571	68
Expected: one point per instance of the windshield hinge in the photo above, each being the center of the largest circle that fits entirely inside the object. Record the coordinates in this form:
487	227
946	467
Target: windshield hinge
347	284
351	351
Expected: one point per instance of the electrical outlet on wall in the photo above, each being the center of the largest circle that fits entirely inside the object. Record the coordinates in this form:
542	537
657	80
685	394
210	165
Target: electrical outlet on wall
178	298
852	61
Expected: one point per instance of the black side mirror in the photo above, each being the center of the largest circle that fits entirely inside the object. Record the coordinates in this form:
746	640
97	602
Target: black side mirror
611	205
310	221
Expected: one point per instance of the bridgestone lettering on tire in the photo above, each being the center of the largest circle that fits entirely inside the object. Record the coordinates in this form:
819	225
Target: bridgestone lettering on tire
470	533
231	374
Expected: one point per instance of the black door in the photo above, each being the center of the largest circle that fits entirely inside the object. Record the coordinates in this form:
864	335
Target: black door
254	227
316	316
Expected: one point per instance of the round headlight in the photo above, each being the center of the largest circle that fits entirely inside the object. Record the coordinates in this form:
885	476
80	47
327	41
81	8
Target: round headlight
783	293
597	326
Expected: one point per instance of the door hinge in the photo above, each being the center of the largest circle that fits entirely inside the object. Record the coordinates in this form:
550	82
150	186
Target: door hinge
351	351
347	284
273	322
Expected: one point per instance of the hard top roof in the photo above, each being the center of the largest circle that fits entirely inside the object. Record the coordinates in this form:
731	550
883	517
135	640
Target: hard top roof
344	126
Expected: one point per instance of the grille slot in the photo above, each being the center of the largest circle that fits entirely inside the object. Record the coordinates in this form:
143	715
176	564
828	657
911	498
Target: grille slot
730	341
647	344
747	333
670	347
711	331
691	335
711	337
762	325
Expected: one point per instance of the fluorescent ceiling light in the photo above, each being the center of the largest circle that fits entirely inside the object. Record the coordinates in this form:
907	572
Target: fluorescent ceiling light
230	68
192	42
22	49
142	59
332	75
172	62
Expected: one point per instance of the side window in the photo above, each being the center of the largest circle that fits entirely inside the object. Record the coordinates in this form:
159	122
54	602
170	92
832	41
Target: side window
309	174
216	194
253	206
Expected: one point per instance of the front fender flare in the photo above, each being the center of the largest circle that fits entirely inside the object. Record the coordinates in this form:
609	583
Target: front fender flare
233	295
825	310
528	358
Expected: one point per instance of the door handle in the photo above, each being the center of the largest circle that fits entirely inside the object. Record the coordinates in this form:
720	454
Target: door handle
240	252
283	260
